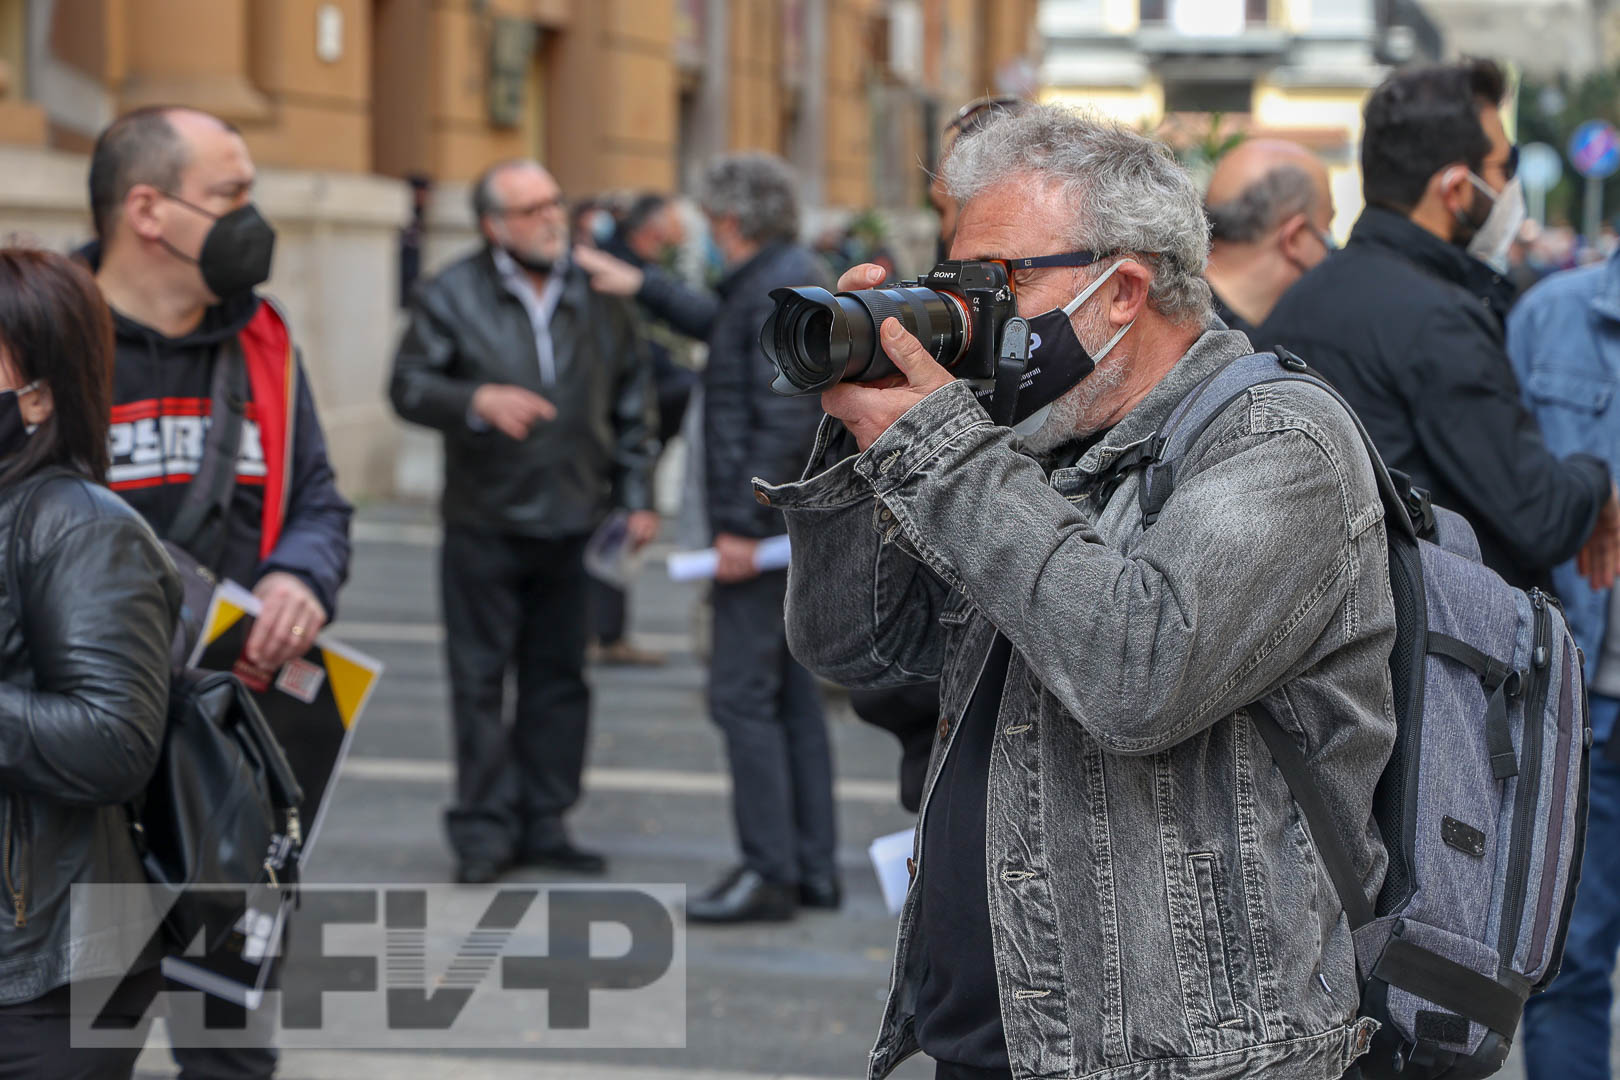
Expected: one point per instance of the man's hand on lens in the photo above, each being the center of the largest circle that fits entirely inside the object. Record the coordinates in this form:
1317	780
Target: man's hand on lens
608	274
289	618
870	409
642	528
1599	561
736	559
511	410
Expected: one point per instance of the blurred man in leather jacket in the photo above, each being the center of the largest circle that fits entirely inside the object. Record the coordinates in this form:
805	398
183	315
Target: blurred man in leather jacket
543	391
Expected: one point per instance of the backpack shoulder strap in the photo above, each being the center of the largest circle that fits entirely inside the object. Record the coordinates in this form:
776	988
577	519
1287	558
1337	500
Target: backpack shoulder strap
1186	424
1191	418
1308	794
199	525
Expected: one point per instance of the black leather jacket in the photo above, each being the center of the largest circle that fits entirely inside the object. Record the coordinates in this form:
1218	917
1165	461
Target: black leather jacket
748	430
468	329
84	686
1409	329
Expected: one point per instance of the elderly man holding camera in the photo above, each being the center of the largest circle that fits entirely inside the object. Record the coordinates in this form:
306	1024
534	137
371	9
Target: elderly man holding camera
1113	879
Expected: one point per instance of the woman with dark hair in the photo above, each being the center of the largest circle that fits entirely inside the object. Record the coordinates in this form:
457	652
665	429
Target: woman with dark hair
88	604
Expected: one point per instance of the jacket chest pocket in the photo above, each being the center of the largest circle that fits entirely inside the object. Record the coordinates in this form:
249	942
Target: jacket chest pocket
1586	392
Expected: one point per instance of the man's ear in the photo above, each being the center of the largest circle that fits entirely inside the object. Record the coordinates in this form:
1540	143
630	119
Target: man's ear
1292	237
1131	283
141	211
1453	189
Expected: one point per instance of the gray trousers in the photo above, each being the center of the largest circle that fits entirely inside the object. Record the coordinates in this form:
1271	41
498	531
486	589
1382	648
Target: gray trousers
768	708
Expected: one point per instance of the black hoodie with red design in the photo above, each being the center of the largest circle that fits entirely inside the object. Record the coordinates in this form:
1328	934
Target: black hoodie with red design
162	402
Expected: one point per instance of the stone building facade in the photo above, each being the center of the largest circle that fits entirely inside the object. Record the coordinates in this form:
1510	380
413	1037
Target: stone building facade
342	100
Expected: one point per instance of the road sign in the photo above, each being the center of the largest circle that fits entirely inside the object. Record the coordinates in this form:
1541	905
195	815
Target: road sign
1594	150
1540	166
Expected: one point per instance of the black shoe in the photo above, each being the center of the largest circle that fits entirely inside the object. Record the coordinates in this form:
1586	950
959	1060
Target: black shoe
565	856
821	892
743	896
478	871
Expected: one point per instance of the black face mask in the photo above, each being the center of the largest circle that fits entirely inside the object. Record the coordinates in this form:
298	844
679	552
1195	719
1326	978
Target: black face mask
1057	360
236	253
14	431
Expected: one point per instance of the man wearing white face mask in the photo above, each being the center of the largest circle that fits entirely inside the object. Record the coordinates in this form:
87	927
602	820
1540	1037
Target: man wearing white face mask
1407	323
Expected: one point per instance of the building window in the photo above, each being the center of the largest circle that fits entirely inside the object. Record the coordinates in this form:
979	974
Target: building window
1204	96
1341	14
1205	16
1086	14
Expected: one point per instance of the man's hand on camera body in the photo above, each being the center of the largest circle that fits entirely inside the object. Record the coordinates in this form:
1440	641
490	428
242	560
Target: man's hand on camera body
736	563
870	409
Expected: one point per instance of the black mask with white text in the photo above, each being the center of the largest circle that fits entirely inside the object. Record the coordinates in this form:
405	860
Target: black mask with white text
1057	359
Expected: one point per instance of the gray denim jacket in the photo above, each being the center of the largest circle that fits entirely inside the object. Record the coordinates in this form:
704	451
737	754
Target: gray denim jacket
1157	906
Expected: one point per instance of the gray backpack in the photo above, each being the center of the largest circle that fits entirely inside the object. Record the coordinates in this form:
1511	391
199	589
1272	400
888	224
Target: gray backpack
1483	804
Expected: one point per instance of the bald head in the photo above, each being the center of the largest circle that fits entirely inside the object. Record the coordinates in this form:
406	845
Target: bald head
149	146
1262	183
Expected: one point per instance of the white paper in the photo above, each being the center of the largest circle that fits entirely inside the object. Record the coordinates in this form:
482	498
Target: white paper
771	554
889	855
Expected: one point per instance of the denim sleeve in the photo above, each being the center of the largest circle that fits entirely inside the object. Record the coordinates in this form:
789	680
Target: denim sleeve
862	610
1210	609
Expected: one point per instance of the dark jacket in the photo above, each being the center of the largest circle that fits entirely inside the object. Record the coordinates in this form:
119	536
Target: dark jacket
1409	329
748	430
162	402
467	330
84	685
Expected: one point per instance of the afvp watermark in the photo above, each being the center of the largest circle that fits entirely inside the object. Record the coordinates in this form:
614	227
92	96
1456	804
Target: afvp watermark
395	966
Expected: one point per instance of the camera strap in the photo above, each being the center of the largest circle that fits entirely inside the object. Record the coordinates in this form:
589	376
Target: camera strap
1012	360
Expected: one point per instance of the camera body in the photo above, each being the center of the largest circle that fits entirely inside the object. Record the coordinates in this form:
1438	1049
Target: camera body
958	309
987	293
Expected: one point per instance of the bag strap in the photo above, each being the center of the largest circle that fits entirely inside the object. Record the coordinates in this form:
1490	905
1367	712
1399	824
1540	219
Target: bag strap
1329	845
199	524
1500	682
1185	426
1193	415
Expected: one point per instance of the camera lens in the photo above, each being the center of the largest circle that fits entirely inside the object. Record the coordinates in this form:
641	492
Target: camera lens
817	339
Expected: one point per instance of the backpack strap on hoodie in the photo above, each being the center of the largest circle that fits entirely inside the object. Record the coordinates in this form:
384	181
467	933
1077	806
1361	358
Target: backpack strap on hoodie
200	525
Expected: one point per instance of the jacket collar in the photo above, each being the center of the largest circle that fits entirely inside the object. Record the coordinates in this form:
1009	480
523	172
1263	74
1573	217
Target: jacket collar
1381	228
1212	351
746	269
1607	301
576	285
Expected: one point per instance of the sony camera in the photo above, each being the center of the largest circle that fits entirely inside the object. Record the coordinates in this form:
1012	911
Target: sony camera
818	339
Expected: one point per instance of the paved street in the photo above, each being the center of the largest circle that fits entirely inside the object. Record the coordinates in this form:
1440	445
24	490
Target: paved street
795	1000
792	1002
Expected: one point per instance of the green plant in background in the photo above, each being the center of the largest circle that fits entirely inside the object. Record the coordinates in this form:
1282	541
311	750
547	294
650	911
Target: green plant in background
1205	146
1550	111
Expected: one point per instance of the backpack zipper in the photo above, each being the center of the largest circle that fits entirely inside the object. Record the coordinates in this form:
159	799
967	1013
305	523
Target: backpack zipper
19	901
1529	781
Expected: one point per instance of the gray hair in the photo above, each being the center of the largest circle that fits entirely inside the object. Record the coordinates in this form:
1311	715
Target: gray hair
1127	192
1274	198
756	188
482	195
